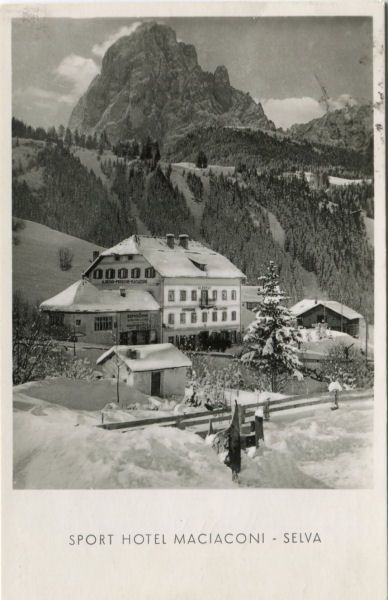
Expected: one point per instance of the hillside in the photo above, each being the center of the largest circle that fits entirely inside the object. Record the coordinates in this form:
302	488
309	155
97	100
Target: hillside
349	127
246	148
36	271
152	84
317	235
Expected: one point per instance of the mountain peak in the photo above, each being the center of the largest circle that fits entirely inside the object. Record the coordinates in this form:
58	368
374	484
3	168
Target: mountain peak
151	84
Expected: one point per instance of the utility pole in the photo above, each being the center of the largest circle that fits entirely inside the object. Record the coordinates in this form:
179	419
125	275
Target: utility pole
366	339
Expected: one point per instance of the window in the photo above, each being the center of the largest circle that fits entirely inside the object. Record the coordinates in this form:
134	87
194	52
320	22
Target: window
171	295
193	317
122	273
117	256
234	315
183	318
130	256
102	323
214	316
194	295
224	295
214	294
110	274
204	297
204	317
78	322
149	273
224	315
171	319
135	273
234	294
171	339
182	295
56	318
98	273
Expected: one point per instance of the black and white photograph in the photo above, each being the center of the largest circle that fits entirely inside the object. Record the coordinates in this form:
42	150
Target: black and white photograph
193	262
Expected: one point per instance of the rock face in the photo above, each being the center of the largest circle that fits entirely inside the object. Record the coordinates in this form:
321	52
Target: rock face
350	127
151	84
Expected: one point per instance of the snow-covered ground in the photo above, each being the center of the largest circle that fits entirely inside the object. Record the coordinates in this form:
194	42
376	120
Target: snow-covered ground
60	447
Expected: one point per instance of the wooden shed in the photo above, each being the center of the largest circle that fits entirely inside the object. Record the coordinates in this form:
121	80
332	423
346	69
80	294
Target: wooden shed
335	315
153	369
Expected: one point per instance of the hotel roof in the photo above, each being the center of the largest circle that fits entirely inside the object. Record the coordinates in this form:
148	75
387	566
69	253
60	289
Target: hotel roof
83	296
194	261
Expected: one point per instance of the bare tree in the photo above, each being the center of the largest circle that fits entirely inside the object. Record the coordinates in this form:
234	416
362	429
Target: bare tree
65	258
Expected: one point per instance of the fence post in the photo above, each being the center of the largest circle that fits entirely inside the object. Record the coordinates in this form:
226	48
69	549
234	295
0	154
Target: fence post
241	415
266	409
180	424
259	427
210	430
233	460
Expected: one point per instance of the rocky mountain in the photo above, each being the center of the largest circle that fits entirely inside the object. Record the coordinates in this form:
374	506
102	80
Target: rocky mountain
350	127
152	84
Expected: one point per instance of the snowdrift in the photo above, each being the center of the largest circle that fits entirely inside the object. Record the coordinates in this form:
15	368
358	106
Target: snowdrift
57	448
59	455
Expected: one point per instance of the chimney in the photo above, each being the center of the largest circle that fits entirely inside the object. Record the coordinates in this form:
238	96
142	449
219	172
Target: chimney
184	240
96	254
170	238
123	292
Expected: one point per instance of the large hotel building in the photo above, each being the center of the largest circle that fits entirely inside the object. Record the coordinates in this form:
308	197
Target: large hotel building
152	289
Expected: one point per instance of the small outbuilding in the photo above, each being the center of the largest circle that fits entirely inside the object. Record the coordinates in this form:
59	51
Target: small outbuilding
153	369
335	315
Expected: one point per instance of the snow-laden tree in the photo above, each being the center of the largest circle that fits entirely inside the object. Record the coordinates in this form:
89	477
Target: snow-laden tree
271	342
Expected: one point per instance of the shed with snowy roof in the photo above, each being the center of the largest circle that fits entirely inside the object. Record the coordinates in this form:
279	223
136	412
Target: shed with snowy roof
153	369
336	315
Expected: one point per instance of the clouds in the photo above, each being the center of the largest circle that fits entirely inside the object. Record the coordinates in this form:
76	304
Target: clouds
287	111
100	49
78	72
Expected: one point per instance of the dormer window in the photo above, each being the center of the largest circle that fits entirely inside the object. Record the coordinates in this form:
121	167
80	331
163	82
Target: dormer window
117	256
130	256
200	266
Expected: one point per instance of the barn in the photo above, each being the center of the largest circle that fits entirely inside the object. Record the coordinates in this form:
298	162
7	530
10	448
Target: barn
335	315
153	369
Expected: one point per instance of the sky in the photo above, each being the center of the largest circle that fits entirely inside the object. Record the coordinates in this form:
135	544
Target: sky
274	59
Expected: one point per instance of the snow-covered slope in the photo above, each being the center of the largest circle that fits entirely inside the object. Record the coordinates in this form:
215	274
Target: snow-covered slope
56	447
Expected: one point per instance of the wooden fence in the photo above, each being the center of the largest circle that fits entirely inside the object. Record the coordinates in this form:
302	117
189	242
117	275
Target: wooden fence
199	421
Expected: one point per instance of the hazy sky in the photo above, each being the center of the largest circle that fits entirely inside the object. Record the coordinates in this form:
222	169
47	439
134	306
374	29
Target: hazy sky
274	59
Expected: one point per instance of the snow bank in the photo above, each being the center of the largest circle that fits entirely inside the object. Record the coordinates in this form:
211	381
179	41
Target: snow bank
56	447
50	455
82	395
324	449
246	397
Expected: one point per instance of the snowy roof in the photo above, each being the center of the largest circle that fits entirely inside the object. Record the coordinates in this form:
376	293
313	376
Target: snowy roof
83	296
195	261
307	304
250	293
148	358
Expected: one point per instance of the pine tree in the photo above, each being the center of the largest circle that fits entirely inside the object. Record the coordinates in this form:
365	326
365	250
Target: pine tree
272	339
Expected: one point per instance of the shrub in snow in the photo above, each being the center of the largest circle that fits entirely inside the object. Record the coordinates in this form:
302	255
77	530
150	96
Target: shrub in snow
347	366
272	340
